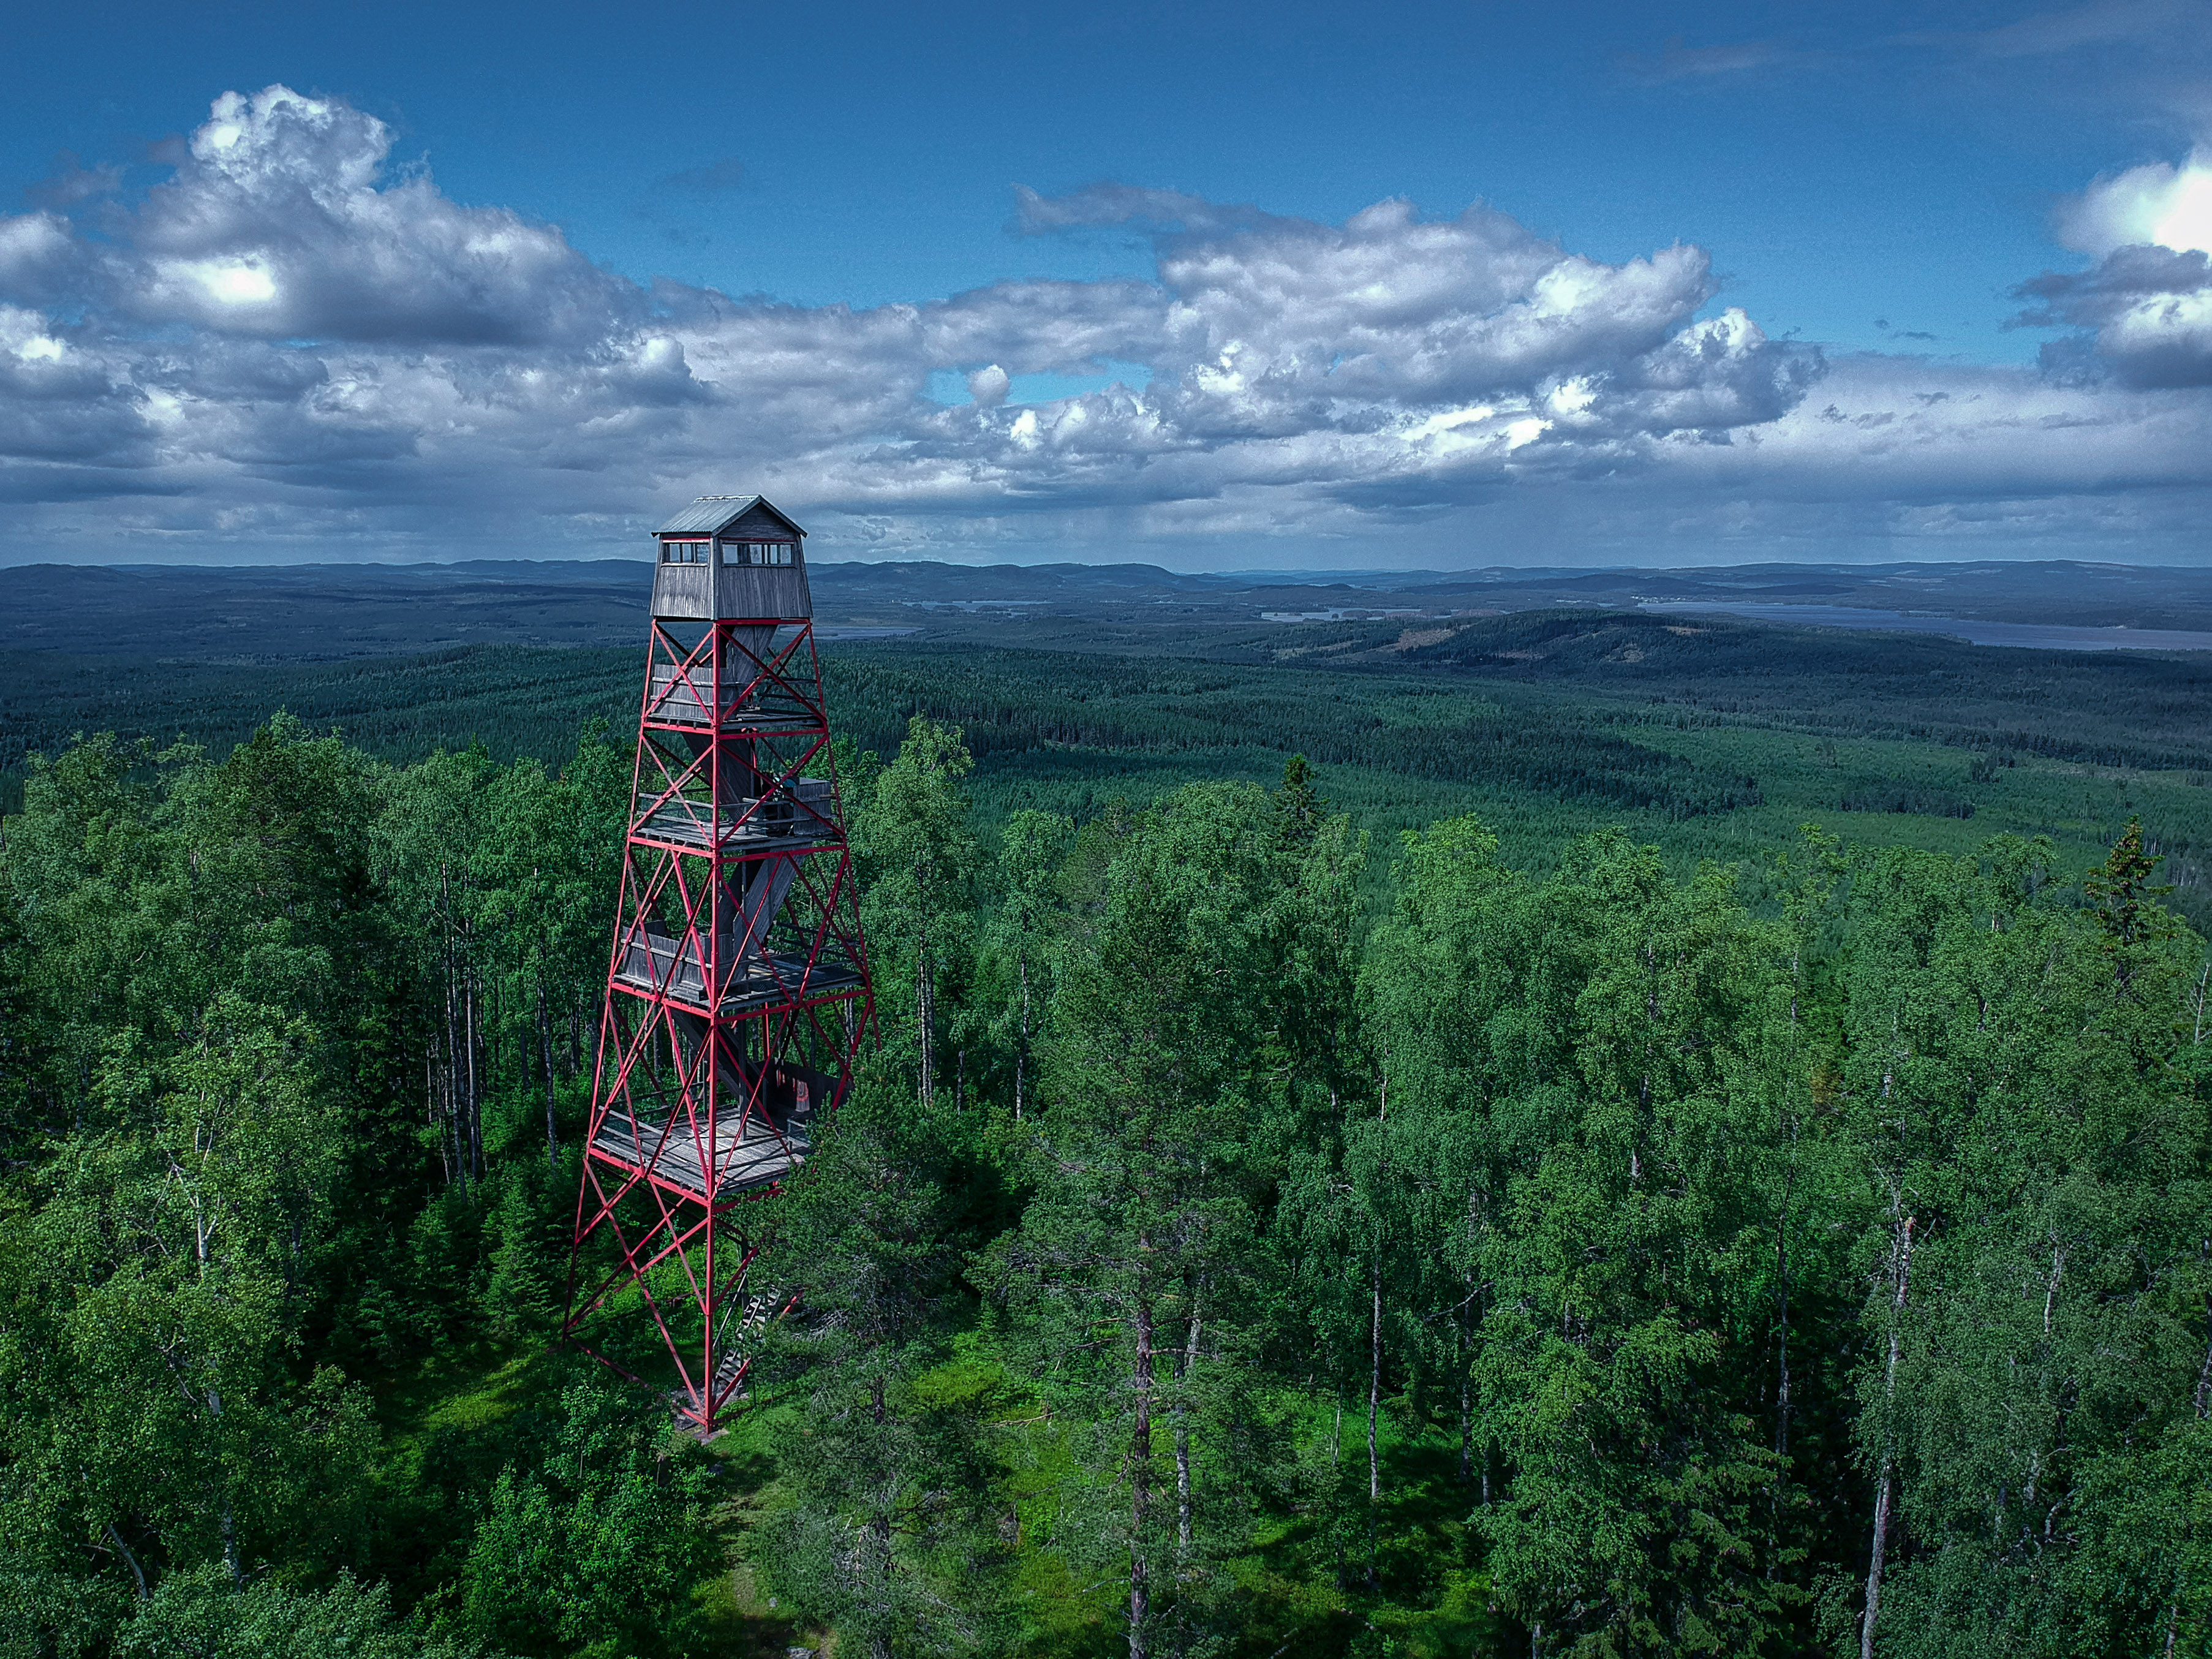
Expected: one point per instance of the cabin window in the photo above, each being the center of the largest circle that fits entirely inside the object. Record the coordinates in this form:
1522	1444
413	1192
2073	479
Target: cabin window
684	552
759	552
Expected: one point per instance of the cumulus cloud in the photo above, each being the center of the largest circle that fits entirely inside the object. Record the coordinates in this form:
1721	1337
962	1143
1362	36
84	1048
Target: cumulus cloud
290	345
989	386
2147	311
2145	308
279	226
2158	204
39	253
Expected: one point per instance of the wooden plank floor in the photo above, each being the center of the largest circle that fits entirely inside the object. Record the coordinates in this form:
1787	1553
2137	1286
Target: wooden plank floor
753	987
744	1155
673	824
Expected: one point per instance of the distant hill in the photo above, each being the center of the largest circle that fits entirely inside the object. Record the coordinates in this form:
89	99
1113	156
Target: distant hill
274	613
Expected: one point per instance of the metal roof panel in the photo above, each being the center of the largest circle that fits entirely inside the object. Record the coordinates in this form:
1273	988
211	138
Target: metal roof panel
712	514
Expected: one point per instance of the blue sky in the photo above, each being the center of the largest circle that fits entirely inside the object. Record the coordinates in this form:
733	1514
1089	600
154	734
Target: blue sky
1016	281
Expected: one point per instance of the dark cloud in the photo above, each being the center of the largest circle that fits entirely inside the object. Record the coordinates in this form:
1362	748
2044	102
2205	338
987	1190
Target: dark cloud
72	182
2144	309
714	178
40	258
2147	309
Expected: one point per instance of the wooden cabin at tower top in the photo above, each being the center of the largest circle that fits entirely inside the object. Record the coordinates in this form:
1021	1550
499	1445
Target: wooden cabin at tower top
730	558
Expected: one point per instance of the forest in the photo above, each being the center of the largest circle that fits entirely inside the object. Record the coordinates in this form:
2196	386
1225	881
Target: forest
1559	1207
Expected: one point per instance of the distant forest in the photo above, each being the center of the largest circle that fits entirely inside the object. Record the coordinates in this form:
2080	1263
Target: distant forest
1707	738
1707	1237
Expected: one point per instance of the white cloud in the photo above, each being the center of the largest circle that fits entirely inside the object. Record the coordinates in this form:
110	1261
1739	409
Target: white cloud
284	348
2160	205
37	253
989	385
276	225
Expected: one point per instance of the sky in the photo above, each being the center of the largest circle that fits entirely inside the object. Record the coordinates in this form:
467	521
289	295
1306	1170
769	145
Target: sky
1210	286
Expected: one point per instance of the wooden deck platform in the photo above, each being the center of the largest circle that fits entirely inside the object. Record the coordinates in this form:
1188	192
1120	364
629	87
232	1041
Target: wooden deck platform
801	818
757	983
677	700
744	1153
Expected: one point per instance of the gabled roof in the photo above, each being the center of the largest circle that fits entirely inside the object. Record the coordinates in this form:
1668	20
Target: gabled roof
710	515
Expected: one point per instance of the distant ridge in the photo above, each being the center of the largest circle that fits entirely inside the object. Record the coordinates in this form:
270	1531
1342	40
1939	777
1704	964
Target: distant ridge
274	612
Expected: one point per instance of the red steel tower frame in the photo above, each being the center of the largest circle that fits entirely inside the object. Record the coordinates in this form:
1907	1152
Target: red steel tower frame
738	990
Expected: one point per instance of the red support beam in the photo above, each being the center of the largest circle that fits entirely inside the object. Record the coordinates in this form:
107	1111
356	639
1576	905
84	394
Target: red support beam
715	1064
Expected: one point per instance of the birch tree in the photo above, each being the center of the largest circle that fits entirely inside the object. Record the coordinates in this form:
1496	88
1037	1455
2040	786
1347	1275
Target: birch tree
919	861
1133	1268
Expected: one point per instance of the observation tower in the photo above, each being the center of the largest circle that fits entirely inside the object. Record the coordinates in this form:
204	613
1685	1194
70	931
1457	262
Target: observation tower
738	987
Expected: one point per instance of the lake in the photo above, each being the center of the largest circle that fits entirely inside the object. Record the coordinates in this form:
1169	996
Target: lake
2047	636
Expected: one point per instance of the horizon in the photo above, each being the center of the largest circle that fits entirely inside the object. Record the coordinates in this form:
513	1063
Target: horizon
1317	575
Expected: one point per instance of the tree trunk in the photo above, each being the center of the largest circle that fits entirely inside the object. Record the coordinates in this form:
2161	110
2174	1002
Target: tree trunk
546	1037
1183	1369
1781	1319
1374	1377
1463	1346
1465	1430
1374	1402
229	1520
1336	1479
1022	1048
1900	1255
879	1532
1140	1465
1874	1569
448	1093
924	1020
476	1090
430	1119
2204	1371
139	1572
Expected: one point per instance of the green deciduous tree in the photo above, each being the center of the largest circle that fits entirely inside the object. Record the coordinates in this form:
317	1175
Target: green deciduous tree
1132	1275
1575	1062
1022	941
594	1546
2034	1153
920	861
893	1533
